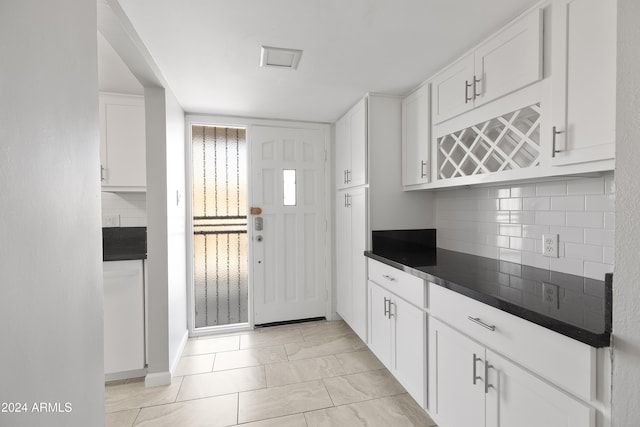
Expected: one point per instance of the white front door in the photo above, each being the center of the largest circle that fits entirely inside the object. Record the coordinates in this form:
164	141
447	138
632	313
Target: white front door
289	236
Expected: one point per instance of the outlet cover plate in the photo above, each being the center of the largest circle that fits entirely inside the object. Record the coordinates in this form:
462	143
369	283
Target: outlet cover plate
550	245
111	220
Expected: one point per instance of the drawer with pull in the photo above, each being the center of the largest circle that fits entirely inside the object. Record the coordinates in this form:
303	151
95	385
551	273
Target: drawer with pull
405	285
559	359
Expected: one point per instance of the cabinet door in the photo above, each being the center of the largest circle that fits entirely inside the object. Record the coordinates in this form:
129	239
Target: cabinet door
454	363
409	348
518	398
510	60
344	288
357	202
452	90
123	316
123	142
415	137
584	80
358	137
380	323
343	152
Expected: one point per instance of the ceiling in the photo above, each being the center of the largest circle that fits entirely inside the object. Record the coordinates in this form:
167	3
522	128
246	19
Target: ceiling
209	50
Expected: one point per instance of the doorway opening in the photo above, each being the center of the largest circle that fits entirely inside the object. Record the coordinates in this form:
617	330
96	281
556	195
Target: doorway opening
220	244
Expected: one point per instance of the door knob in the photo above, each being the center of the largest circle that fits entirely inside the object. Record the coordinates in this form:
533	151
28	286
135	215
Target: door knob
256	211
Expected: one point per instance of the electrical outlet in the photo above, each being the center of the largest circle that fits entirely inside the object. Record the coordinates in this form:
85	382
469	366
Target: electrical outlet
550	245
550	294
112	220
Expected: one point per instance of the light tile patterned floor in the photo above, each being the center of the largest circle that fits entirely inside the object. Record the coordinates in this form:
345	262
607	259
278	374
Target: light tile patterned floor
302	375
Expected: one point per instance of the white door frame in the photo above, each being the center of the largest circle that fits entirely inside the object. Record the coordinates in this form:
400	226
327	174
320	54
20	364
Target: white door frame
247	123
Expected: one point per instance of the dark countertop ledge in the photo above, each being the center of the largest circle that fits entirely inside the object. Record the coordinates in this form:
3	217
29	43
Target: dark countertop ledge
584	311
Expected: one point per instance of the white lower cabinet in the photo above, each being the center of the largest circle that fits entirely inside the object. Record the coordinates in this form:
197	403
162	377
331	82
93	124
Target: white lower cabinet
351	242
124	325
470	385
397	336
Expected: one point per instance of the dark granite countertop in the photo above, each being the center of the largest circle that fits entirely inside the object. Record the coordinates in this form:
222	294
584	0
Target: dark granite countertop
582	312
124	243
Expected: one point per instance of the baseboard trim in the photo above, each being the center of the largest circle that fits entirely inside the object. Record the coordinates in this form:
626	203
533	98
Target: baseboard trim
176	360
125	375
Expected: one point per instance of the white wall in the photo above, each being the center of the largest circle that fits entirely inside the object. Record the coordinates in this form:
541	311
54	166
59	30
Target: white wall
167	329
176	225
113	74
626	281
50	243
507	223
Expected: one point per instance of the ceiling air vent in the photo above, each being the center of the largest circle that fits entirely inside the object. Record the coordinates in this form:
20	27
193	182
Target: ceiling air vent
279	57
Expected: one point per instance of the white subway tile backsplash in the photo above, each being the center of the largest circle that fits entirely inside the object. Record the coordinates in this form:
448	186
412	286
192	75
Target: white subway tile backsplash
604	203
522	244
596	270
586	186
608	255
567	203
595	236
569	234
609	221
609	184
523	191
534	231
132	208
522	217
550	218
507	223
585	219
500	192
558	188
583	252
567	265
536	204
513	204
511	230
535	260
510	255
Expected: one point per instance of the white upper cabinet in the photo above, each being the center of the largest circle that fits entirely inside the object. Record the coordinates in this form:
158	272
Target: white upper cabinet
508	61
122	142
351	147
415	137
452	90
584	79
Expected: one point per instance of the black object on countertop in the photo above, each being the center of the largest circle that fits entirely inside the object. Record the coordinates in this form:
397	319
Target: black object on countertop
584	305
124	243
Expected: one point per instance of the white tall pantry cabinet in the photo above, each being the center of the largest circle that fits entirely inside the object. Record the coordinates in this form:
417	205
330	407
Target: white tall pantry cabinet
368	173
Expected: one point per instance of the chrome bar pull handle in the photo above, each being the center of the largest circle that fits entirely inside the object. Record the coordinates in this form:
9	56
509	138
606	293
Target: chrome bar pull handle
487	386
389	278
554	133
476	359
101	173
348	176
477	321
467	85
423	164
390	312
475	85
387	308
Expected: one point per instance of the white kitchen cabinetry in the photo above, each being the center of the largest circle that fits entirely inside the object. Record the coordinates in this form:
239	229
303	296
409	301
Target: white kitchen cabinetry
583	80
124	337
397	327
122	142
415	137
351	147
508	370
351	242
495	391
508	61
